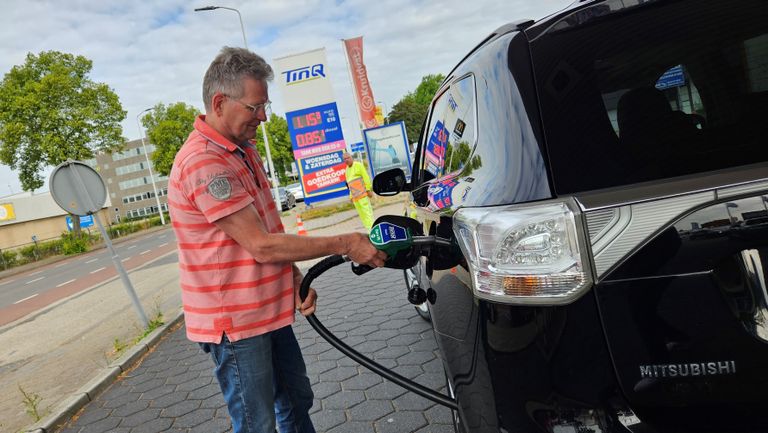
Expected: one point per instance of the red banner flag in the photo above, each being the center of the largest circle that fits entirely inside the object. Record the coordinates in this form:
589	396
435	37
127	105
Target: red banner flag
363	92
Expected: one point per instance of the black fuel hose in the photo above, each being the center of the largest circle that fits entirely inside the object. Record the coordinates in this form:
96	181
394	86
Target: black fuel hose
314	272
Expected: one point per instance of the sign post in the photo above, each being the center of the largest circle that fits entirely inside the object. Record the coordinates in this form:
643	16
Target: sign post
79	190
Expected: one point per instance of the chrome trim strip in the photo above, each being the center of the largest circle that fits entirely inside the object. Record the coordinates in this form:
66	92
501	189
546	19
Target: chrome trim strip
668	188
598	222
656	277
644	220
623	216
742	189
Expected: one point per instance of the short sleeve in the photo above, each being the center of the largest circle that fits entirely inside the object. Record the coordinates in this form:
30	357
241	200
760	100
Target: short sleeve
213	187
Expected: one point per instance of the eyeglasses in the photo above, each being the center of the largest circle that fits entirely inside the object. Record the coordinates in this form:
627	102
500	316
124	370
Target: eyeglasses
254	108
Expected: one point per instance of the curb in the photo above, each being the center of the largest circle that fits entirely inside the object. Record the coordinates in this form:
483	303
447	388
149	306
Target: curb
88	392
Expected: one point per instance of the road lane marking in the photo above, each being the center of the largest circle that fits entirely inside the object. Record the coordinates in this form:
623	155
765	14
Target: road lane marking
35	273
125	259
162	245
32	281
91	261
132	246
61	264
161	237
99	270
25	299
65	283
7	282
145	252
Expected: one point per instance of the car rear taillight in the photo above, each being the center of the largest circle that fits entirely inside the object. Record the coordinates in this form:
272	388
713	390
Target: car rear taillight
525	254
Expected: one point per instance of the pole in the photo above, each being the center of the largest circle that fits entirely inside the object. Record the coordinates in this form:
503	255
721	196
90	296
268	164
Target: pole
115	258
275	191
149	167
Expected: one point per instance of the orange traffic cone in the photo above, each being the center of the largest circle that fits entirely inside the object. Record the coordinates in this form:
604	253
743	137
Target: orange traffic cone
300	226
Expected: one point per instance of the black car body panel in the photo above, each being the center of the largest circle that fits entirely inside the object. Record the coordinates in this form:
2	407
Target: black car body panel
672	336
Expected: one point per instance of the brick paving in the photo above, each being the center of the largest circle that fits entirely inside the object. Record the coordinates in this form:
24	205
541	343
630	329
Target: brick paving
173	388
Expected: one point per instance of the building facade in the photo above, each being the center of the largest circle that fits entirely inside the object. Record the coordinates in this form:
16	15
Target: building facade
129	182
30	217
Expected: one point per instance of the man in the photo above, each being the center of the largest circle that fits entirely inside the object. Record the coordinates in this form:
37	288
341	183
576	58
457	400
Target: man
359	184
239	285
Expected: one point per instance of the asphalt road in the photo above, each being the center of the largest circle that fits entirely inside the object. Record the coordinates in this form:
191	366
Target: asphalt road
28	292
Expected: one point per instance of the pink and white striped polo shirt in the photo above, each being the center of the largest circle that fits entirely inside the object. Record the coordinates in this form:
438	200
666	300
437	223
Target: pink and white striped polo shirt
224	289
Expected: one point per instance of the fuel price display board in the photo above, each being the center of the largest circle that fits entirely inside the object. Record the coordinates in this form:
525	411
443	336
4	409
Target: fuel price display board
317	141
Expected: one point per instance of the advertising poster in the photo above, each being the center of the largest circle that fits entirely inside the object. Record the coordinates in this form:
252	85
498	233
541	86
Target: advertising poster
313	124
318	144
322	173
388	148
6	212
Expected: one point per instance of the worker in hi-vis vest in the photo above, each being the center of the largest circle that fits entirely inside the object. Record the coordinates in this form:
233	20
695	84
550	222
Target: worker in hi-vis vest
359	184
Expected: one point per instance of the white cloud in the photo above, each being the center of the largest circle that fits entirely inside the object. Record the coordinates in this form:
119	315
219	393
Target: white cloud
157	51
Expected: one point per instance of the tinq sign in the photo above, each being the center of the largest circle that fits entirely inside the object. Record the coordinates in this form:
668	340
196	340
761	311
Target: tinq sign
304	73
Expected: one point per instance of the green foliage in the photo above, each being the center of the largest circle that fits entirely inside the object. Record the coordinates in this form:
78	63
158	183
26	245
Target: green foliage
412	108
9	259
29	253
426	90
31	402
279	146
123	229
72	243
50	111
168	128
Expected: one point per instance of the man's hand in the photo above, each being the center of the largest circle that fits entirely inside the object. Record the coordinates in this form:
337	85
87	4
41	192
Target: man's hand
308	306
370	193
361	250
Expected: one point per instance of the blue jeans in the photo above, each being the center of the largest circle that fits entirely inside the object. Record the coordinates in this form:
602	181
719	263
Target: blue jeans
264	380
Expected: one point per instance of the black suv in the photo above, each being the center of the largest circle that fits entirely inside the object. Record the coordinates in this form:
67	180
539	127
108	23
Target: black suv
603	174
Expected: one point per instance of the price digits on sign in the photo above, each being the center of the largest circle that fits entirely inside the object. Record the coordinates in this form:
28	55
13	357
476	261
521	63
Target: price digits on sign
309	119
309	138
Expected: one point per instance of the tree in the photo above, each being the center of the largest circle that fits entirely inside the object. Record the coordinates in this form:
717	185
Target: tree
426	90
279	146
50	111
413	107
168	129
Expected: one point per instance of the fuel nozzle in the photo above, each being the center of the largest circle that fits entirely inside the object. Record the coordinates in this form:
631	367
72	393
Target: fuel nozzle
402	239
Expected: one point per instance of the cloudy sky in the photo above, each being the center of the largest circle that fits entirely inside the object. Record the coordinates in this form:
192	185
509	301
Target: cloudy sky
157	51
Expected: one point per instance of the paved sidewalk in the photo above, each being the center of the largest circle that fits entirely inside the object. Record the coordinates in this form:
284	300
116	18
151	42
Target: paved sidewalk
173	390
66	361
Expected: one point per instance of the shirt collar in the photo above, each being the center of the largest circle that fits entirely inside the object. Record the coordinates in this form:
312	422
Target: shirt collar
215	137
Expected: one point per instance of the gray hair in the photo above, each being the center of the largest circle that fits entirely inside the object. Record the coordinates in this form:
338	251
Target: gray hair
226	72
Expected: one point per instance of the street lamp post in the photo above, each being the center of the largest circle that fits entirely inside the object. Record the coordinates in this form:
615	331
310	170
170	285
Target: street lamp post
149	166
263	124
242	28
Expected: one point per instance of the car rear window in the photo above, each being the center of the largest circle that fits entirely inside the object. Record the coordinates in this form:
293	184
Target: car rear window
638	91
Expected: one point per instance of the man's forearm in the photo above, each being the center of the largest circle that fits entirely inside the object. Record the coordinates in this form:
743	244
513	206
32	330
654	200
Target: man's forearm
283	247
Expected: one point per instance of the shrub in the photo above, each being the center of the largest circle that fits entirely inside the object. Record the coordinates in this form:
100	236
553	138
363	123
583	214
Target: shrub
29	253
9	259
73	244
